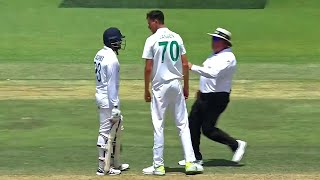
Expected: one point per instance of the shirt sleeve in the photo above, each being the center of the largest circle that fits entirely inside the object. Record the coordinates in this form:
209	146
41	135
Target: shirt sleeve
113	84
183	49
181	45
211	72
147	50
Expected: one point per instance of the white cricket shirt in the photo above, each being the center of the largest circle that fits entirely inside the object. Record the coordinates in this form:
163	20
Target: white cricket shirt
107	75
217	72
165	49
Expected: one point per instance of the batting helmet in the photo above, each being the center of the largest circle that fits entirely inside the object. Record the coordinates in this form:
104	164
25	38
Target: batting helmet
113	39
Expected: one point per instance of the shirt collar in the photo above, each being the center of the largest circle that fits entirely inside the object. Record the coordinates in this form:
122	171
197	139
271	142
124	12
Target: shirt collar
105	47
162	29
225	50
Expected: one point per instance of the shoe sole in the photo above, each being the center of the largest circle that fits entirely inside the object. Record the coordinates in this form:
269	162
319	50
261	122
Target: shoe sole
159	174
100	174
156	174
113	174
145	173
124	169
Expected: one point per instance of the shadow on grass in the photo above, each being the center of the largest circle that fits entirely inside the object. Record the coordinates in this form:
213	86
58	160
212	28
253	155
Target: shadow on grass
175	169
207	163
221	162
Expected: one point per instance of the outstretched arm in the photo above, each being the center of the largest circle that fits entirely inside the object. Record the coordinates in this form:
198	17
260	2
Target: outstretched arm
209	72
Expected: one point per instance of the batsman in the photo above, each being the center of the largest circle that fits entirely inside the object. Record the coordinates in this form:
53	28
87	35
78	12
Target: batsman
107	97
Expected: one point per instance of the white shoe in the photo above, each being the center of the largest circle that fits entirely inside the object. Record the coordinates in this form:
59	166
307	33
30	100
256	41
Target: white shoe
238	154
160	171
113	172
100	172
148	170
193	168
124	167
183	162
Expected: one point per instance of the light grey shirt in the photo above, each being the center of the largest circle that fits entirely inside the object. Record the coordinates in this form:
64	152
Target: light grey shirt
217	72
107	69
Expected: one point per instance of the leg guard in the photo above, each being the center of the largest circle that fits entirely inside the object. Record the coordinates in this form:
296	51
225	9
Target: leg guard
117	146
109	153
101	144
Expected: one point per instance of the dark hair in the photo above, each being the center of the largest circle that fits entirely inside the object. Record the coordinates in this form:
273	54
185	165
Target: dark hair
156	15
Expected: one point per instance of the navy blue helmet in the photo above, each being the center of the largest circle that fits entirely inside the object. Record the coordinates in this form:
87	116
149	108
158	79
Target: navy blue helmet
113	39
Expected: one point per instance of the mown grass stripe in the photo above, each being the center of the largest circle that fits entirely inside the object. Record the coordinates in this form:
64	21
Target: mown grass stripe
170	4
132	89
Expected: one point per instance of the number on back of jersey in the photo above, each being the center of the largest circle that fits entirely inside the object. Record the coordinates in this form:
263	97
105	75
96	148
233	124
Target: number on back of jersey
98	71
97	66
174	50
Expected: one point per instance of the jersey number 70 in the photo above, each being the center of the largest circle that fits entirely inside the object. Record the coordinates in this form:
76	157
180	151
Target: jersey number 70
173	44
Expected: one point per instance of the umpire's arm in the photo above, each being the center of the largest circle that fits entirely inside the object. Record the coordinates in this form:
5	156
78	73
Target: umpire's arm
209	72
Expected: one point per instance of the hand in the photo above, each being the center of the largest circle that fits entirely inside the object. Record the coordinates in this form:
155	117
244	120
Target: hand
189	65
115	114
186	92
147	96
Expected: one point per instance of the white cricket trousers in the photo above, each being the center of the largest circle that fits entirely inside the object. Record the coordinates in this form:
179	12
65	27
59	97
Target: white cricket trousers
105	121
104	116
170	95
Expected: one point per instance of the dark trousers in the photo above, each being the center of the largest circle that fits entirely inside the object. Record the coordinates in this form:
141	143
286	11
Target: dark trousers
204	115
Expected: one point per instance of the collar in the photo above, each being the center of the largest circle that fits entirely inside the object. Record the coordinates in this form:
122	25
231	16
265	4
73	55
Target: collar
106	48
162	29
225	50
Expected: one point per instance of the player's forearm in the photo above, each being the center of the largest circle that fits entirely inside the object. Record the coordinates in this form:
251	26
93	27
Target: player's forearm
113	95
113	83
147	78
185	75
115	100
185	69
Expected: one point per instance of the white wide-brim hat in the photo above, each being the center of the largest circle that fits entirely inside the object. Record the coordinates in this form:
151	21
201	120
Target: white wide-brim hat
223	34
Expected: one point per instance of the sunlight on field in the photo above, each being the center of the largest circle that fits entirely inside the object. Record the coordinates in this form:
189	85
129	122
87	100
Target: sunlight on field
133	89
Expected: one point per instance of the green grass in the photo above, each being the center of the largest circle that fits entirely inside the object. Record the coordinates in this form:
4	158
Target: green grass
59	137
171	4
39	31
48	118
79	71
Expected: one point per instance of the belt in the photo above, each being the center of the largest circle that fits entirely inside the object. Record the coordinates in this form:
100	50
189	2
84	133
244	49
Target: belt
214	94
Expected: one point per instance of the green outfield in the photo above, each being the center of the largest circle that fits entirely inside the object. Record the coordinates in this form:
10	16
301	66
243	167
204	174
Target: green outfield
48	118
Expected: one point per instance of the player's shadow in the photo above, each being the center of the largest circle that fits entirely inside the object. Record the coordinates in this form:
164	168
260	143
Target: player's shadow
221	162
207	163
175	169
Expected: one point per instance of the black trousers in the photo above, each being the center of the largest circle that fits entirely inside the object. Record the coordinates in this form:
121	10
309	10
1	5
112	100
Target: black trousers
204	115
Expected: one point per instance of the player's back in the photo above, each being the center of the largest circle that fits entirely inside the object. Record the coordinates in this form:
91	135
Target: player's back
104	61
166	48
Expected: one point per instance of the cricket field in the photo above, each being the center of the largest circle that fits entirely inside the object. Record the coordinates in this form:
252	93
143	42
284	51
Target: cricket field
48	117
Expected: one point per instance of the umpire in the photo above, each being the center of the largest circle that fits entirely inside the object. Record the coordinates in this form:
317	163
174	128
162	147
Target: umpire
213	96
